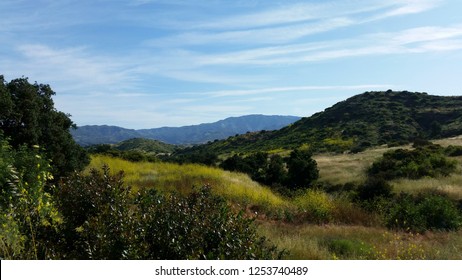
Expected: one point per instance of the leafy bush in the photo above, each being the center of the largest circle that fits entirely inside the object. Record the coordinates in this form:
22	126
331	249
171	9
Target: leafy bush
426	212
298	171
374	188
199	226
28	216
453	151
98	216
316	206
105	221
412	164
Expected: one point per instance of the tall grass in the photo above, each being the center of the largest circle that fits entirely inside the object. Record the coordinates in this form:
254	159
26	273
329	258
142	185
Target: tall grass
451	186
358	242
169	177
344	168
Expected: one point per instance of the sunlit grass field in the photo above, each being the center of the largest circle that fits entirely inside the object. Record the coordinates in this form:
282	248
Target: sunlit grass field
314	224
168	177
325	242
345	168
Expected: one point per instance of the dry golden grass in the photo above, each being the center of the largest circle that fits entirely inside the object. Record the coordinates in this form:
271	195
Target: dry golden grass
451	186
455	141
344	168
360	242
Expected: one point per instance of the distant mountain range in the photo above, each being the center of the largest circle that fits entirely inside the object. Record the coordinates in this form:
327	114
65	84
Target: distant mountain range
192	134
362	121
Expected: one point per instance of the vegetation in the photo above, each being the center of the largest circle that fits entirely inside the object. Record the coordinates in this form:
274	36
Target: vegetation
236	188
424	212
103	220
428	161
360	122
95	215
29	218
28	117
130	202
136	149
298	171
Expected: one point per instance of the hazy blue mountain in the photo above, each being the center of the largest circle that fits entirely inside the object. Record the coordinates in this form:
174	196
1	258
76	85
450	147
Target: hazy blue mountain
102	134
192	134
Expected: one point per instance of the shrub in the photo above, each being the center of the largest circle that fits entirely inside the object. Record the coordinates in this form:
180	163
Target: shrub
198	226
426	212
98	216
316	206
105	221
28	216
453	151
412	164
374	188
440	213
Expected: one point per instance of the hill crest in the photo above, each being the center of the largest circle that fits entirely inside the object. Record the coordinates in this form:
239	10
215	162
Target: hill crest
361	121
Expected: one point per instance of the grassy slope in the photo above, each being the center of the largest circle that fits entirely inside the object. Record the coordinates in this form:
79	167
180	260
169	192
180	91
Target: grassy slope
349	234
364	120
343	168
145	145
237	188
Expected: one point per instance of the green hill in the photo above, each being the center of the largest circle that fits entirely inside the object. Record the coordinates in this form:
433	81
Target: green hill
145	145
365	120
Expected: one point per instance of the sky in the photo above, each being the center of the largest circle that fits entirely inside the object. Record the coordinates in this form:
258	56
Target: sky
153	63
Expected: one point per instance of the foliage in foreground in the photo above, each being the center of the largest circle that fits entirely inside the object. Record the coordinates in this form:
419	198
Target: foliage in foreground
104	221
95	216
28	214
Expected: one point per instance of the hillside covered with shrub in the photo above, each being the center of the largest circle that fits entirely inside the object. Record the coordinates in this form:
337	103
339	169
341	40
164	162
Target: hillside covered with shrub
362	121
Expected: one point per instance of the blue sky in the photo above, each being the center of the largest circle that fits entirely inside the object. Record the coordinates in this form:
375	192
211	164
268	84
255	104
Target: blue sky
152	63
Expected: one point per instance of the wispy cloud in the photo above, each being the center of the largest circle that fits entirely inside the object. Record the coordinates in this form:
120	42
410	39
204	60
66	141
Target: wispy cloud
289	22
227	93
273	35
72	67
405	41
406	7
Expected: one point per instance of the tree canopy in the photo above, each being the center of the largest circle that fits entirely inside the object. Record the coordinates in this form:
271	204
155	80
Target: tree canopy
28	117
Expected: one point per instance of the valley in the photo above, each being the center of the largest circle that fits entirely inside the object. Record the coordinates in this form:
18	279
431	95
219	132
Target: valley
376	176
344	231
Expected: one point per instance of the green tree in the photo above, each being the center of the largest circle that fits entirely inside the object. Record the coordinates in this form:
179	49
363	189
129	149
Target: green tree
276	173
28	117
303	170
